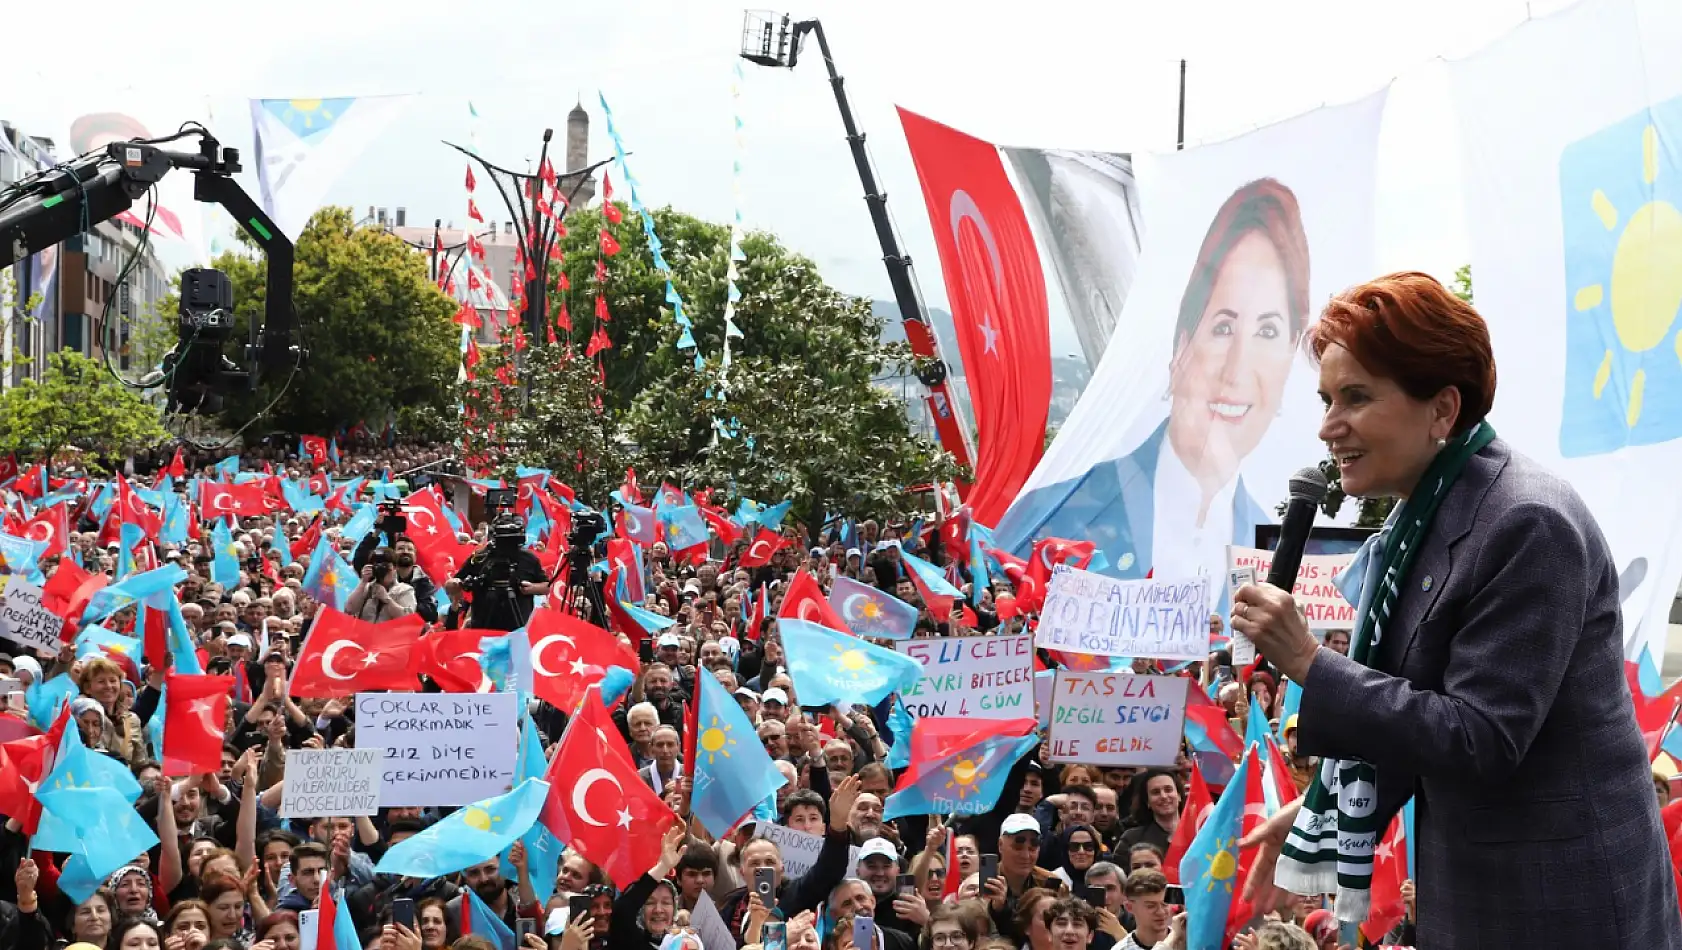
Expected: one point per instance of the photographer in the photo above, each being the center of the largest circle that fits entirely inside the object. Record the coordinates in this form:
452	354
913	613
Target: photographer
501	578
394	525
380	596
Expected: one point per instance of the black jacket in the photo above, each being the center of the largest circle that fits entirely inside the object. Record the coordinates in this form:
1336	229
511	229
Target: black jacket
807	892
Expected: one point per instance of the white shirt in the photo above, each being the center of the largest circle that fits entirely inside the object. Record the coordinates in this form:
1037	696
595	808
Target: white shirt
1180	547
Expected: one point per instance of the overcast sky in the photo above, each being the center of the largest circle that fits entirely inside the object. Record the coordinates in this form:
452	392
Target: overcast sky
1077	74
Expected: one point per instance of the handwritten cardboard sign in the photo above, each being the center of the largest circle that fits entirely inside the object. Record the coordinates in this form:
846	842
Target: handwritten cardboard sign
799	849
330	783
1117	718
1090	613
1319	599
441	748
24	620
978	677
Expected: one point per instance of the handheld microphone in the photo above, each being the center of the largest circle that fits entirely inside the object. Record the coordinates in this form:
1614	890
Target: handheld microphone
1308	490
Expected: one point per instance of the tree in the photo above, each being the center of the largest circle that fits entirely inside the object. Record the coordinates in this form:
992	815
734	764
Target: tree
1462	283
568	429
378	331
76	403
795	415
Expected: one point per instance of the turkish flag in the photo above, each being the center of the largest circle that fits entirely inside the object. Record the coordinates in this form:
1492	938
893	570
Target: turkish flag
23	764
804	600
136	511
1389	871
1050	552
51	526
998	301
569	655
1198	805
622	557
1030	591
728	531
765	544
1255	813
451	659
9	467
67	592
598	804
195	721
344	656
315	447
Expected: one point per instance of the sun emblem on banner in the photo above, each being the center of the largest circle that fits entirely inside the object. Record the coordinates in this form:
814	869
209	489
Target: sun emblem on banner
479	819
308	119
966	776
853	661
1620	189
1223	866
715	741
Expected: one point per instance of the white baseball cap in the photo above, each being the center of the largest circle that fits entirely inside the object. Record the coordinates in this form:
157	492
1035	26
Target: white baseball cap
774	695
878	848
668	640
1019	824
239	640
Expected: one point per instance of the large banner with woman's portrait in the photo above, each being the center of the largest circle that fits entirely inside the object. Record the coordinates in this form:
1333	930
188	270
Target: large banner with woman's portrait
1204	403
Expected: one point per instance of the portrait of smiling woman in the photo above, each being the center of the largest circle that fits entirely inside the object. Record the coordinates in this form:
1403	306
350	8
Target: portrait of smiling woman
1485	678
1177	500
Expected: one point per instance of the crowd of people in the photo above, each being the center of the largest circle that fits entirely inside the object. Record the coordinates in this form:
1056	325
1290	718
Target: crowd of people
1072	856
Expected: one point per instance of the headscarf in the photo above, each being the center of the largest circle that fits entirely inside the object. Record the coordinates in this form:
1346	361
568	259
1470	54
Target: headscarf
149	914
1056	856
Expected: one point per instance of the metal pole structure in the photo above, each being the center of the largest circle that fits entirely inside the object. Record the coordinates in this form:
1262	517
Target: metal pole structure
1181	139
536	231
934	372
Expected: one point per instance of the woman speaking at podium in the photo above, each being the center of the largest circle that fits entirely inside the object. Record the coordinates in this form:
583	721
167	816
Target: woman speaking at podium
1485	679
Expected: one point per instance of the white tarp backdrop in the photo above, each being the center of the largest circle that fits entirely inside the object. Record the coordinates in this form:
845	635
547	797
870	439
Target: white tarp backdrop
1571	131
1204	403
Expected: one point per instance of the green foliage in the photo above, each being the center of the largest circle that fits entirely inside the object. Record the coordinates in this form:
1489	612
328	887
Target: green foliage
153	332
566	430
77	404
1462	284
800	415
378	331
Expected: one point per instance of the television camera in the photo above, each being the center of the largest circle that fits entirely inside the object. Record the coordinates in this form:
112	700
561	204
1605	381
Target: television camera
70	198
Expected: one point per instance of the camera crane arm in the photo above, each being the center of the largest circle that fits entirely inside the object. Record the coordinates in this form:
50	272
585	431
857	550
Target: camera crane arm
61	202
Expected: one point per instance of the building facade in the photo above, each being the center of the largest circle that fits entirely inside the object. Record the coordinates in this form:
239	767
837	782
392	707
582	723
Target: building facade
78	302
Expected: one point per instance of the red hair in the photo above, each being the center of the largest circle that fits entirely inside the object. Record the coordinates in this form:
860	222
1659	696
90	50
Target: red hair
1408	327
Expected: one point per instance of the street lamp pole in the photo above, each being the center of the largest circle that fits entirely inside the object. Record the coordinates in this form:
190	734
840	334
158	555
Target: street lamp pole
536	231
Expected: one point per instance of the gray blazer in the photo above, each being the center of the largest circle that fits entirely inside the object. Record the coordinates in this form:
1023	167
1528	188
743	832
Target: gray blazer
1498	701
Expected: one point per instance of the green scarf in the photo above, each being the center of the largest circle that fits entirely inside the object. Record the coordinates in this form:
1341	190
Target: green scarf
1331	843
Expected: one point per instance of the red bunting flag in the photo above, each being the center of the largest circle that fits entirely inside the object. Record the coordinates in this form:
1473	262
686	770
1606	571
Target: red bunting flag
473	212
195	721
598	342
601	309
471	183
610	246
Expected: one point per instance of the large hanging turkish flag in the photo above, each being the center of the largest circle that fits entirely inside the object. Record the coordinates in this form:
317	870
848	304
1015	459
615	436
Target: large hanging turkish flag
996	290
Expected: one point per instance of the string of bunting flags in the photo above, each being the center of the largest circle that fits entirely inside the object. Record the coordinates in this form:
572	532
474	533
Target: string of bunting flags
686	340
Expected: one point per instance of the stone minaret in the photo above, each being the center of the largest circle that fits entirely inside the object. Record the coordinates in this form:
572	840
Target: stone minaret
578	155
